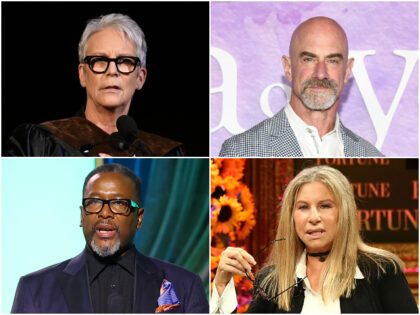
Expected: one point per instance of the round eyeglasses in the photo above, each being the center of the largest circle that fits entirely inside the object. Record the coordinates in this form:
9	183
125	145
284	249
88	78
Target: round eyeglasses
100	64
117	206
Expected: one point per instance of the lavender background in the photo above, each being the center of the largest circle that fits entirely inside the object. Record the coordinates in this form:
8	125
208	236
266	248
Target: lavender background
256	35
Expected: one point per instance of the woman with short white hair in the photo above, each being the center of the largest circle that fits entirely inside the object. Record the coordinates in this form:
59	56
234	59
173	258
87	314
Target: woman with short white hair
112	56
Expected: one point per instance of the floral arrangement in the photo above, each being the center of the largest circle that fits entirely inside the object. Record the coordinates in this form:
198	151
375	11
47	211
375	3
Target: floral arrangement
232	218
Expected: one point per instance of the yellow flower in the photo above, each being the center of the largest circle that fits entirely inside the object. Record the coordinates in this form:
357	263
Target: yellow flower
225	214
214	169
245	225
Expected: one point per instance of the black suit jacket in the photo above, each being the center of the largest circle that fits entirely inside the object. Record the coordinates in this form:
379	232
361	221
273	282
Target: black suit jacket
64	288
384	293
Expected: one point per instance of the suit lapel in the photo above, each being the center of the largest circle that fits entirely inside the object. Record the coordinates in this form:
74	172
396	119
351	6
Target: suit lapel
351	143
74	284
148	280
283	141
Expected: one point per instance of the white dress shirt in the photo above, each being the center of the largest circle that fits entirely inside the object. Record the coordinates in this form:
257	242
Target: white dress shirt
313	304
226	303
311	145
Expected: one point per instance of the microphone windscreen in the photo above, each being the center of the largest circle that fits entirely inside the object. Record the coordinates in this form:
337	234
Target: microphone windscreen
127	127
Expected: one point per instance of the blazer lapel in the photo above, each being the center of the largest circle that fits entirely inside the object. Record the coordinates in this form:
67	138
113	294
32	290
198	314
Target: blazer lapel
74	284
148	280
283	141
351	143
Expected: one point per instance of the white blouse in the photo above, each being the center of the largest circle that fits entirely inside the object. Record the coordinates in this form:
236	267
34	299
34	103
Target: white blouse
313	304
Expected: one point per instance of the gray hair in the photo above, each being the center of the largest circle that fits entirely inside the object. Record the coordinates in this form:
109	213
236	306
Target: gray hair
123	23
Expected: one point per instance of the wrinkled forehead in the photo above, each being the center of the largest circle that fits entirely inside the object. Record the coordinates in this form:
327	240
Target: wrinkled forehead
319	35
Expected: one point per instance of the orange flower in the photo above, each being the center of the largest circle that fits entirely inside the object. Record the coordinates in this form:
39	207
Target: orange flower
225	214
215	257
218	162
214	262
244	227
233	167
246	198
231	186
232	217
236	280
217	181
243	308
214	169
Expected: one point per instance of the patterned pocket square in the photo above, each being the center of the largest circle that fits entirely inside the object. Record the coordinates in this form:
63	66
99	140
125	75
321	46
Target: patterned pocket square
167	299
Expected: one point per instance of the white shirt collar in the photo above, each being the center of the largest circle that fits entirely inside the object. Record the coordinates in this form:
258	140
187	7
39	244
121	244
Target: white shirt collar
311	145
295	120
301	268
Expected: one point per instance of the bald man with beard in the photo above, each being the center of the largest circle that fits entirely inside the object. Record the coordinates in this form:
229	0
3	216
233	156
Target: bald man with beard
309	126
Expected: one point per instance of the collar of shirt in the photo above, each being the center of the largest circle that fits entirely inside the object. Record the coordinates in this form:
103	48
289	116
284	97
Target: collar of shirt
313	302
301	268
97	264
311	145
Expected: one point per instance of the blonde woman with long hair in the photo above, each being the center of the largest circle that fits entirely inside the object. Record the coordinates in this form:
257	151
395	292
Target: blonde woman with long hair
319	263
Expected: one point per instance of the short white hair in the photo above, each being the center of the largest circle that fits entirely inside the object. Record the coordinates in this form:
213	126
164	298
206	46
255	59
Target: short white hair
123	23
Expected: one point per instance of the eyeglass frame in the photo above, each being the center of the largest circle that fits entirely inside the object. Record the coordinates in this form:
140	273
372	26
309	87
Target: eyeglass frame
109	60
132	205
260	290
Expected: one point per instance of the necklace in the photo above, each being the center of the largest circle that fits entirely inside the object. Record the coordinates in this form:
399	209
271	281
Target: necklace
320	255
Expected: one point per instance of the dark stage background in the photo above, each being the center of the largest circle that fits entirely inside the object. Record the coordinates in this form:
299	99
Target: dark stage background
39	66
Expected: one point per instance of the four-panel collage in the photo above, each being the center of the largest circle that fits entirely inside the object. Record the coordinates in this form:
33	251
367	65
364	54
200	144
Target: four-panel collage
210	157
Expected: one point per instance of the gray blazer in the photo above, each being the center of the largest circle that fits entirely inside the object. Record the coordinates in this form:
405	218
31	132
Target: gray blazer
273	137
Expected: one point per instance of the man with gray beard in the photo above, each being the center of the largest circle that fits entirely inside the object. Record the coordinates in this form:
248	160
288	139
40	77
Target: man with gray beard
110	275
309	126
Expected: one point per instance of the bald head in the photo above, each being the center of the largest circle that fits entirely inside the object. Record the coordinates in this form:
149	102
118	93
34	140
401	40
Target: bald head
317	65
317	28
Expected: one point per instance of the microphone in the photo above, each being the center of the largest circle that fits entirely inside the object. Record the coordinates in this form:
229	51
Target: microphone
124	139
127	128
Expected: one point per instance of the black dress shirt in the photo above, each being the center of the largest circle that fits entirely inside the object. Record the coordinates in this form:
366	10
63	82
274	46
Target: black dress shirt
111	282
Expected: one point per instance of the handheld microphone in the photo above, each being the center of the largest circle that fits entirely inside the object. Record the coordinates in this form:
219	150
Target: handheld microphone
126	138
127	128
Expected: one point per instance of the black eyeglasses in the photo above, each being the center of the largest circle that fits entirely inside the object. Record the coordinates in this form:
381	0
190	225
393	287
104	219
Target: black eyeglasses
260	290
124	64
117	206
